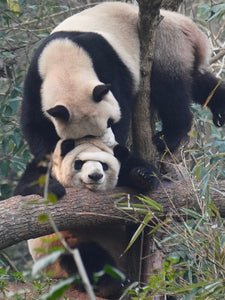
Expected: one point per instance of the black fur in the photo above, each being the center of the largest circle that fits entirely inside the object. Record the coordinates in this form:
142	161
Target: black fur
100	91
29	184
60	112
203	85
171	97
94	258
67	146
135	172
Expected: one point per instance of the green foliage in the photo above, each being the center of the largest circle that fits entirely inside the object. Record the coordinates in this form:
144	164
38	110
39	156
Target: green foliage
197	245
111	271
212	11
207	158
45	261
13	150
57	290
194	264
22	26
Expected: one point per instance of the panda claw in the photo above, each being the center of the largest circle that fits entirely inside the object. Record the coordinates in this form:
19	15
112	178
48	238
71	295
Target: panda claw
143	178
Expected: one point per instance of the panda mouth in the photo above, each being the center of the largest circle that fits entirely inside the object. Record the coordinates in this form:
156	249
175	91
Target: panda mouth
92	185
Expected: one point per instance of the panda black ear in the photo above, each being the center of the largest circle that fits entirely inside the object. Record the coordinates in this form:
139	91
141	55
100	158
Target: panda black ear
67	146
121	153
100	91
60	112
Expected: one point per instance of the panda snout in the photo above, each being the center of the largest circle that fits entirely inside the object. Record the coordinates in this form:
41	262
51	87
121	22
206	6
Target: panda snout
95	176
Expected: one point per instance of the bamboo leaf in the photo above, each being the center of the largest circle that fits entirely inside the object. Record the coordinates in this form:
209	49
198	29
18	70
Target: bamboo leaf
45	261
152	204
146	220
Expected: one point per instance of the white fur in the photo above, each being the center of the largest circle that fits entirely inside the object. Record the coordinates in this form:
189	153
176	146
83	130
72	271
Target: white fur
108	138
117	23
93	154
71	83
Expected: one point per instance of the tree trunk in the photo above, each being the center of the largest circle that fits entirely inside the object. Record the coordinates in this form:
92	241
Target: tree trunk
143	125
143	114
171	4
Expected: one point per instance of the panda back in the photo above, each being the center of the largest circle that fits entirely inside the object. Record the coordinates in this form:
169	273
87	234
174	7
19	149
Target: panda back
117	23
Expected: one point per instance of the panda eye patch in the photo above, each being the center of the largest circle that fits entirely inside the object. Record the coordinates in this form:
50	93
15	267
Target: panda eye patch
78	164
105	166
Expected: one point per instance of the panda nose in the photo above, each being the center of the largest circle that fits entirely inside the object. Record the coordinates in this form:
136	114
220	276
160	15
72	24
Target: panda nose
95	176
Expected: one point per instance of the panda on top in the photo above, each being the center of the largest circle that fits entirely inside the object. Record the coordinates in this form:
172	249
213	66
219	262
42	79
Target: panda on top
83	79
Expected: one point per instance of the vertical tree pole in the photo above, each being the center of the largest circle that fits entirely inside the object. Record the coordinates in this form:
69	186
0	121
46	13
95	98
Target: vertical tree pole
143	119
171	4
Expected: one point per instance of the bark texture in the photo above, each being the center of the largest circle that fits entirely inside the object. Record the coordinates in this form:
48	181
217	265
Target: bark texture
171	4
82	209
143	117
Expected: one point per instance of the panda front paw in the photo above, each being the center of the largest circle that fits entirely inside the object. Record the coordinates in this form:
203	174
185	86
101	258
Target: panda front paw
56	188
144	179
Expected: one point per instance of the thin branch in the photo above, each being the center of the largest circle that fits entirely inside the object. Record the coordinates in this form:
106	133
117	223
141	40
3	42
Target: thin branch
218	56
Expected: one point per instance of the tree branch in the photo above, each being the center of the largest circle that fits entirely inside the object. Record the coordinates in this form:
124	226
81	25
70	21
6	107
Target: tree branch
218	56
82	209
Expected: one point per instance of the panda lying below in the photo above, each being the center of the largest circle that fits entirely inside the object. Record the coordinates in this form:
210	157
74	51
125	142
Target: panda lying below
124	169
91	164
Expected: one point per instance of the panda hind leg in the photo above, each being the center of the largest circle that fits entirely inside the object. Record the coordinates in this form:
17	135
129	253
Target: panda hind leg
172	102
94	258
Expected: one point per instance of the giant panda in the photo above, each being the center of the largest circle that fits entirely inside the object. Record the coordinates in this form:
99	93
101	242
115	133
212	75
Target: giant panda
90	163
87	163
84	78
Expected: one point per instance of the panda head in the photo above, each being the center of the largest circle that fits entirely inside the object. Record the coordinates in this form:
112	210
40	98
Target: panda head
72	96
89	165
